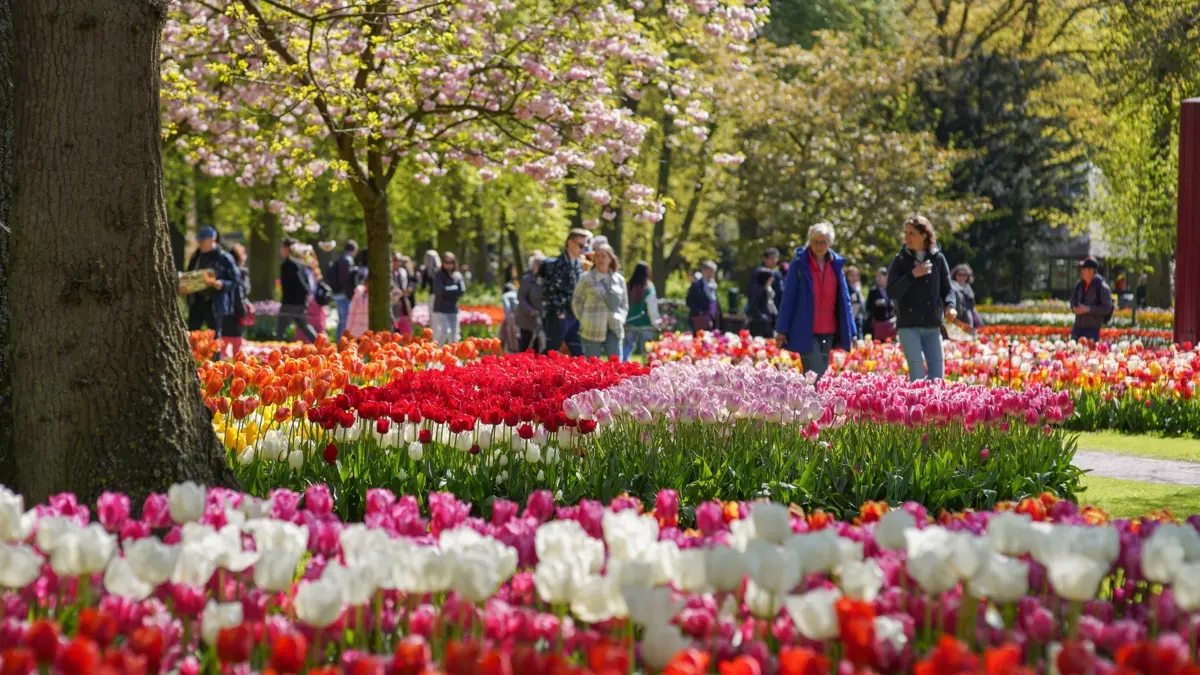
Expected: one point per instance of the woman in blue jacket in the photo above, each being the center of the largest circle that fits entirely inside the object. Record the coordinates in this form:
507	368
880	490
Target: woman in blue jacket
814	312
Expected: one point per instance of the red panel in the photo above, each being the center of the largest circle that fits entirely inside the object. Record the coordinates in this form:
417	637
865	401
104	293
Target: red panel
1187	252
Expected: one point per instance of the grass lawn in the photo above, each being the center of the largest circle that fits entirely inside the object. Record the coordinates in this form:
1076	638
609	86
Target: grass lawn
1179	449
1131	498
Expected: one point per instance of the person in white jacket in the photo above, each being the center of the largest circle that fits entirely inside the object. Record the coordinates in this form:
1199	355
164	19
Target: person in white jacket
601	305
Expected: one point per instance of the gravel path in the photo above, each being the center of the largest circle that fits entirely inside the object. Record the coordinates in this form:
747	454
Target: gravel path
1125	467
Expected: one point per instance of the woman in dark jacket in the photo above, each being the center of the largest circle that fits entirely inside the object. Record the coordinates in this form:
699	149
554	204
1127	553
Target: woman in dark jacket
919	283
761	311
881	319
815	316
233	330
704	307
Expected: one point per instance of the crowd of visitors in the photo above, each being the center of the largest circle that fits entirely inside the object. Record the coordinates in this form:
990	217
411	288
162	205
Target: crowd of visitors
581	301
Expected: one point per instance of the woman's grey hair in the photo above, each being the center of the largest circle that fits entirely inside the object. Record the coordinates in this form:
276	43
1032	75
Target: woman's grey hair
708	264
822	228
433	259
536	258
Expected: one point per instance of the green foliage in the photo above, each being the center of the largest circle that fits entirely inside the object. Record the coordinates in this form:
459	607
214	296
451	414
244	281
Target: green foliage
737	461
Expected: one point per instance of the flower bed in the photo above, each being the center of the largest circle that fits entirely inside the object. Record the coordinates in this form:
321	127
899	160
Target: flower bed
1058	313
218	581
507	426
1128	385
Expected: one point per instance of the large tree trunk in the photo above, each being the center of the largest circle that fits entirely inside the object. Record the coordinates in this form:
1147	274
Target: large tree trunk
658	244
106	389
263	256
379	262
8	466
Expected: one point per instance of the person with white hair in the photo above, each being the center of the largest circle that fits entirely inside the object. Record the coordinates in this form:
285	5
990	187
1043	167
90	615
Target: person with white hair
704	304
529	304
815	315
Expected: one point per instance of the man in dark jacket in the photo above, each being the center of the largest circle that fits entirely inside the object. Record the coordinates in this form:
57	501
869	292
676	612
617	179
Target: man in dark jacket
210	306
296	287
770	263
343	278
1091	301
558	277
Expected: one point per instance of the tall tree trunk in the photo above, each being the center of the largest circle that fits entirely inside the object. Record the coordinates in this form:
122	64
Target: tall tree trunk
514	241
379	262
571	190
8	466
481	270
263	256
658	263
106	390
615	231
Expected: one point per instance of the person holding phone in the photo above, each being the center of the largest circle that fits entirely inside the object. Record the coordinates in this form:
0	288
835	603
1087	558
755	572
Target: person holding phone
918	281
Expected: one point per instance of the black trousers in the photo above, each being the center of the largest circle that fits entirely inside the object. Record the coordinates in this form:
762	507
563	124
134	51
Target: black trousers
201	314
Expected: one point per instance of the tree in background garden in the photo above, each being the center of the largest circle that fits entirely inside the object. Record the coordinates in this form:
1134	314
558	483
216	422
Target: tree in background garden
526	85
8	465
1009	82
104	381
823	128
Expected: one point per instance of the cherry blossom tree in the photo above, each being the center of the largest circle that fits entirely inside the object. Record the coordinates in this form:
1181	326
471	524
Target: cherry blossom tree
529	86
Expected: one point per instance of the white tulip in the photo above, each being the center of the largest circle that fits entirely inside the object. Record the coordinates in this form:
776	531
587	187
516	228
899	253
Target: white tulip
558	579
650	607
1162	556
475	576
889	532
276	569
218	616
891	630
967	554
662	643
599	599
20	566
724	568
12	509
814	613
295	460
1187	587
83	551
51	531
763	603
628	534
424	570
1000	579
772	522
1009	533
862	580
820	552
319	603
194	567
416	451
1076	577
151	560
360	542
687	569
279	535
559	538
774	568
186	501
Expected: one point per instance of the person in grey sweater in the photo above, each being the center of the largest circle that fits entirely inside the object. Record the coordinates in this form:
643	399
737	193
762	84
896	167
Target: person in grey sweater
448	287
529	305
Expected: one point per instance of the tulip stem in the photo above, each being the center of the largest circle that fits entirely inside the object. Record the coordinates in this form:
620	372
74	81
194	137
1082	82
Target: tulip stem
928	627
1073	611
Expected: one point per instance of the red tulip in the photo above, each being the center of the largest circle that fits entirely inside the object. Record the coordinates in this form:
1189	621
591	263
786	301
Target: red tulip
42	638
288	652
97	625
235	644
81	657
412	654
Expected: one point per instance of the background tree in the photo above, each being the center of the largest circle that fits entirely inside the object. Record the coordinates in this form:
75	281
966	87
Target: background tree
1008	82
532	87
105	385
8	467
824	136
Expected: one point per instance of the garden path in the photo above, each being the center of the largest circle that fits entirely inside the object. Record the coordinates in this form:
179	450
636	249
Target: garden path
1127	467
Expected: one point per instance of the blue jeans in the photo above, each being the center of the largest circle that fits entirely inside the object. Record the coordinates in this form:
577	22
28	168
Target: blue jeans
610	347
635	340
923	351
563	330
1092	334
343	309
817	360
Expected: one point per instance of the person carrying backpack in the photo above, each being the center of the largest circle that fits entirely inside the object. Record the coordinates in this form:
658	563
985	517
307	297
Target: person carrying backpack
342	279
1091	301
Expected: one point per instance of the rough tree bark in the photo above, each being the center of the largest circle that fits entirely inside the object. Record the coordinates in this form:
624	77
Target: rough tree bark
8	467
264	257
106	389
